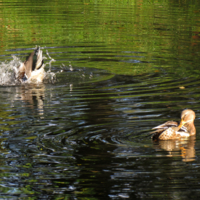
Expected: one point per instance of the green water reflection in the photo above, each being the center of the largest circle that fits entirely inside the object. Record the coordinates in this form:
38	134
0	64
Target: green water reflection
136	35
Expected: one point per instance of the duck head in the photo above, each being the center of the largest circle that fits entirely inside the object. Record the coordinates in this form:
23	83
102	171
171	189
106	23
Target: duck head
187	120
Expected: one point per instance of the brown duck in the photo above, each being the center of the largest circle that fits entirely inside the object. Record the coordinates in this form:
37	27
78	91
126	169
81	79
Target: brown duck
171	130
32	69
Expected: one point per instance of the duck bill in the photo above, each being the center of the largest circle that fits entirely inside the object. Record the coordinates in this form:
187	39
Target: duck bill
181	123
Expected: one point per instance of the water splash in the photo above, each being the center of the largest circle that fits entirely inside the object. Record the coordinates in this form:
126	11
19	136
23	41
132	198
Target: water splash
8	69
49	75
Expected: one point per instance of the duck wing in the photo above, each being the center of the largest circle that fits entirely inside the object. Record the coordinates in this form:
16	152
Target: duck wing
166	125
20	71
183	129
33	62
158	130
38	60
29	64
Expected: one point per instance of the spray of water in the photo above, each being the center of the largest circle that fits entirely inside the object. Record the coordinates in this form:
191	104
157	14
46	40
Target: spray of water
49	75
8	70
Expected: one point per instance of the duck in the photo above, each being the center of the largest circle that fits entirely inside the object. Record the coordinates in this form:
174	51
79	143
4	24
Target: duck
172	130
32	70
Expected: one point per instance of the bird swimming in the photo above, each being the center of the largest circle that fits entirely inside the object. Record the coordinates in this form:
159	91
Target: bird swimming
32	69
171	130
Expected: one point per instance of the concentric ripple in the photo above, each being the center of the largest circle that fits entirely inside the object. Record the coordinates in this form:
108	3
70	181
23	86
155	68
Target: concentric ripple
53	134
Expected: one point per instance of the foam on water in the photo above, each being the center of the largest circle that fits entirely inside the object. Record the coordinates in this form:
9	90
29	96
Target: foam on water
8	68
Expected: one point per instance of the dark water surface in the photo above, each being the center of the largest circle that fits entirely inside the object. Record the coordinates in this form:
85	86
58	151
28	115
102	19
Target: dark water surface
121	68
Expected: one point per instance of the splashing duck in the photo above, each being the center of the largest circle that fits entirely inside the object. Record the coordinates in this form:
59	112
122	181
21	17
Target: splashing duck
32	70
171	130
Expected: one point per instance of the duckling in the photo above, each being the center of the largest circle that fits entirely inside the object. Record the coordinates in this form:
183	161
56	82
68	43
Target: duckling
32	69
171	130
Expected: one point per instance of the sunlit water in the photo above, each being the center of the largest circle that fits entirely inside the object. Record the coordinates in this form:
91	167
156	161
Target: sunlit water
85	132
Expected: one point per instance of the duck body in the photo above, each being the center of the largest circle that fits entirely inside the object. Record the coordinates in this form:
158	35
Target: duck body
171	130
32	69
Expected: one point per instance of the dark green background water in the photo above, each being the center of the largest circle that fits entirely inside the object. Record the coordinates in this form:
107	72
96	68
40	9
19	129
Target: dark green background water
122	68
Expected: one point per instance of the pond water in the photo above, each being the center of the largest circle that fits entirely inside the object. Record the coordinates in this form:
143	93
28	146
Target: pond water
120	68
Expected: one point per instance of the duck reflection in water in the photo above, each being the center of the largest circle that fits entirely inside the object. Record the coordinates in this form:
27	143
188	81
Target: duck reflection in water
174	138
182	148
32	95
